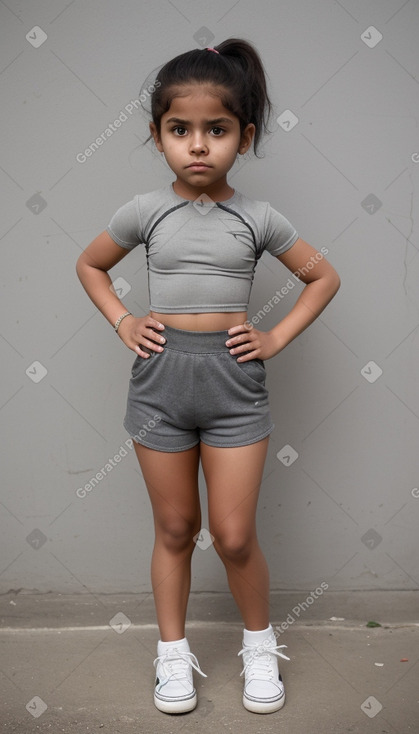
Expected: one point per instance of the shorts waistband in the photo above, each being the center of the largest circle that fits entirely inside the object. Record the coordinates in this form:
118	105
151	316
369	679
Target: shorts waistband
195	342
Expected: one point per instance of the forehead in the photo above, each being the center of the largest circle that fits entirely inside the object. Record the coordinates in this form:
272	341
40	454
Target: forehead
198	100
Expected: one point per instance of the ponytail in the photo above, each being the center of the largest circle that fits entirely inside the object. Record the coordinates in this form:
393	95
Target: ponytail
255	104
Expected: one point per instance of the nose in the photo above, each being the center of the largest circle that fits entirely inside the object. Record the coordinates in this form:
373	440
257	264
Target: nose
198	144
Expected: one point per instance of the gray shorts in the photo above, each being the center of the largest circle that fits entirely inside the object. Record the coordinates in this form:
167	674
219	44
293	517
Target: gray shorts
195	390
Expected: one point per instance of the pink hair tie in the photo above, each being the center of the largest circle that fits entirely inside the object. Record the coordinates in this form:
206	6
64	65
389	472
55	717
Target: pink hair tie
208	48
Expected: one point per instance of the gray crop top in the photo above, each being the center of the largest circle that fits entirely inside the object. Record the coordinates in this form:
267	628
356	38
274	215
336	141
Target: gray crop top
201	255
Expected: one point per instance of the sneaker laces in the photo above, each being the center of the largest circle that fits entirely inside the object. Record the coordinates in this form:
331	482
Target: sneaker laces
259	660
175	664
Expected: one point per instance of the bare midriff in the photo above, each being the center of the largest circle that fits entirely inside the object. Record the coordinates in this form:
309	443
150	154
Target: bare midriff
201	321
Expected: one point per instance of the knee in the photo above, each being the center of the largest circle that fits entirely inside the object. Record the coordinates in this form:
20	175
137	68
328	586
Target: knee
177	534
235	547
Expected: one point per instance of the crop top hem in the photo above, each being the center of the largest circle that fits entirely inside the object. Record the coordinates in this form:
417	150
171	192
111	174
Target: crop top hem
214	308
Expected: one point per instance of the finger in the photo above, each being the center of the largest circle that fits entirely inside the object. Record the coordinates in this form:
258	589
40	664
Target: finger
152	336
137	349
248	356
148	344
241	339
154	324
244	349
240	328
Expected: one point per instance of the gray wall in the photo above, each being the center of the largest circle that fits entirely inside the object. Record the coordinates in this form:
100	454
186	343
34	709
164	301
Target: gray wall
344	394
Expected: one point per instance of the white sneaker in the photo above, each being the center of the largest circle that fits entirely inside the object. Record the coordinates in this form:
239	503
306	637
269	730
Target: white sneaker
174	691
263	687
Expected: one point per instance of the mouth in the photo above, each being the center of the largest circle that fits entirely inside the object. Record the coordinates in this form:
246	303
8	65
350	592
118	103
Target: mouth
198	166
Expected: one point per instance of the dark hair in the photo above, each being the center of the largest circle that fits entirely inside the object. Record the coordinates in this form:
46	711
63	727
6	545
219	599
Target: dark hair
236	68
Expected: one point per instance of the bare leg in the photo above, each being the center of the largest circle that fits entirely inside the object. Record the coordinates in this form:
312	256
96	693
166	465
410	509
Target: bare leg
233	479
172	483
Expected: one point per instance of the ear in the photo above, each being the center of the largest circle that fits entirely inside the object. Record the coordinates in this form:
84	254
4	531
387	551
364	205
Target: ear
156	137
246	138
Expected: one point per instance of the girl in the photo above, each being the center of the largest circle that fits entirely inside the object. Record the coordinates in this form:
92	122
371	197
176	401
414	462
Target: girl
197	391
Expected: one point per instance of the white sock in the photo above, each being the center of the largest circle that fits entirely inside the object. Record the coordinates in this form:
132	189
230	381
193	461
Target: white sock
163	647
251	637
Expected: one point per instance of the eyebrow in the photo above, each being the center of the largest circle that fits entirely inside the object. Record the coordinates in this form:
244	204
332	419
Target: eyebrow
224	120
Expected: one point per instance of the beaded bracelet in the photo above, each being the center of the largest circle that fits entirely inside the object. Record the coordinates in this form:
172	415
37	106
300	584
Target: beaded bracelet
116	327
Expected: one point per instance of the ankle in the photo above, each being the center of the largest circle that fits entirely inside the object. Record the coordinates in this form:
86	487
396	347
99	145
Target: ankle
256	637
164	645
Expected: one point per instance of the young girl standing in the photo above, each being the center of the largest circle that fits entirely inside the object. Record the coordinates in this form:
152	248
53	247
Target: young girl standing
197	391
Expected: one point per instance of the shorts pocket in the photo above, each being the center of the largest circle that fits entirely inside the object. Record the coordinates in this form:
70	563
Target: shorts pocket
140	364
253	369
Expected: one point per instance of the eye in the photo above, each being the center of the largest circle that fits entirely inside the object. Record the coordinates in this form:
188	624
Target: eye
178	130
217	131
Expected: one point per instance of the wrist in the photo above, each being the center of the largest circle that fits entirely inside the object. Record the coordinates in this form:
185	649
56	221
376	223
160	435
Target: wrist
121	318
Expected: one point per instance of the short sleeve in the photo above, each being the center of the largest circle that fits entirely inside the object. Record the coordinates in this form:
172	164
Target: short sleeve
280	235
124	227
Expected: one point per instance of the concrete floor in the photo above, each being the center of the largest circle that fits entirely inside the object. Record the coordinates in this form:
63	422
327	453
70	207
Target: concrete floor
85	664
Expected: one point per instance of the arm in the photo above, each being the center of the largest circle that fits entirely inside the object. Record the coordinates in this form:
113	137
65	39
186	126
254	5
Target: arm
322	283
92	269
